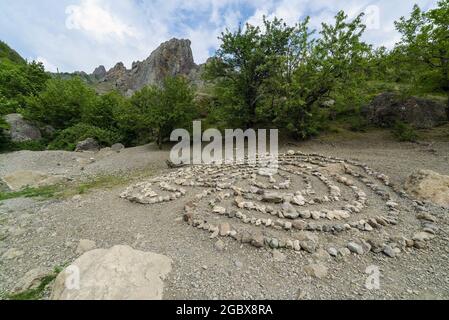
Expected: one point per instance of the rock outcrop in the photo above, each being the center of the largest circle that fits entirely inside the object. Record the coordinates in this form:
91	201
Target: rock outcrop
21	130
99	73
21	179
117	73
119	273
117	147
387	108
89	144
429	185
172	58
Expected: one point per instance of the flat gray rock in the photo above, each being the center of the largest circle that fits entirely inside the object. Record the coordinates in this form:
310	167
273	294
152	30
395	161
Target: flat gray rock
119	273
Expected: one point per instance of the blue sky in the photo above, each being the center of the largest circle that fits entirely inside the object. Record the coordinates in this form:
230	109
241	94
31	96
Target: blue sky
76	35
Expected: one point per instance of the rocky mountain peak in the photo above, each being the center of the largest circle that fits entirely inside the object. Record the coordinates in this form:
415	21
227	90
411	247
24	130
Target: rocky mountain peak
99	72
119	66
118	72
171	58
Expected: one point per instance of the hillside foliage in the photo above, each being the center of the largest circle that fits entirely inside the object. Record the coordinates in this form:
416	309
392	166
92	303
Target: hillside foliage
290	77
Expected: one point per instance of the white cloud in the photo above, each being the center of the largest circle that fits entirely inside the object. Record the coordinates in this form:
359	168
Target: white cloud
203	41
82	34
97	21
380	14
48	65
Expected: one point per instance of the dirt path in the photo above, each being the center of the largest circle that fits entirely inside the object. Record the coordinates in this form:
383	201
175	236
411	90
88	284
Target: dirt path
46	233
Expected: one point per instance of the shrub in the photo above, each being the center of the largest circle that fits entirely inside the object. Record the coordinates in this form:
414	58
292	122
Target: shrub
404	132
4	139
36	145
68	138
165	108
8	106
62	103
358	124
18	81
103	113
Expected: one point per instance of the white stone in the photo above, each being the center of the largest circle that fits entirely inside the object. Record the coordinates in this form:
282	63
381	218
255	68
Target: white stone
119	273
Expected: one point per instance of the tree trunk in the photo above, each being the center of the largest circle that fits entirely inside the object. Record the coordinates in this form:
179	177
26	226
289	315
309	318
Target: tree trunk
445	66
447	107
159	139
252	116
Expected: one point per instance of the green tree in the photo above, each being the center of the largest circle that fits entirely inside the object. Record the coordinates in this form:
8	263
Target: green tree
283	74
62	103
4	139
36	77
104	111
425	45
163	109
244	62
68	138
17	81
333	68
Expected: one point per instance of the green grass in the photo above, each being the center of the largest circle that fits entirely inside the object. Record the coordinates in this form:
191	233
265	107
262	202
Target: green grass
34	294
101	182
41	192
108	182
3	221
404	132
64	191
37	293
68	190
440	133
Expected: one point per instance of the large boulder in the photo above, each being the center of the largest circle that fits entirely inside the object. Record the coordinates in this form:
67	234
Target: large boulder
119	273
429	185
21	130
118	147
21	179
387	108
89	144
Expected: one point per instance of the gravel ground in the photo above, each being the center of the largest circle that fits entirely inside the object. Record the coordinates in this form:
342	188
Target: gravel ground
85	164
46	233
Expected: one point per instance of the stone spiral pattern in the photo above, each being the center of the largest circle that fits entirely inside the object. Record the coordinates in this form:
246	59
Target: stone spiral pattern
311	203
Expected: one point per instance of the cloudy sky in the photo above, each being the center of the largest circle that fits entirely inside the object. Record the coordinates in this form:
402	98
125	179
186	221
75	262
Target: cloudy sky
81	34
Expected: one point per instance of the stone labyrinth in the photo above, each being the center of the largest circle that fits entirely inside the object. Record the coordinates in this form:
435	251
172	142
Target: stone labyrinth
312	203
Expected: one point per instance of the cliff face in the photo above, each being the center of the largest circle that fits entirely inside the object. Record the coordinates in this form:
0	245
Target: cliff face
99	73
171	58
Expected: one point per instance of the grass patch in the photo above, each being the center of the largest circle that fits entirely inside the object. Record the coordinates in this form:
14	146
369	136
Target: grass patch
68	190
41	192
33	294
440	133
404	132
108	181
102	182
37	293
64	191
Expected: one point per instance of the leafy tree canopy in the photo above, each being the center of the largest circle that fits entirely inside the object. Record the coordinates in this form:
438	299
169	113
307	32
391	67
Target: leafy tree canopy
163	109
425	44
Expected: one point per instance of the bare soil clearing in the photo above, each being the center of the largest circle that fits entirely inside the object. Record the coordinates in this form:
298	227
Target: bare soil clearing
47	233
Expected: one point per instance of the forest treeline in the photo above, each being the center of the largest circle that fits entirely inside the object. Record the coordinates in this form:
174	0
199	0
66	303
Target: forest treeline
277	75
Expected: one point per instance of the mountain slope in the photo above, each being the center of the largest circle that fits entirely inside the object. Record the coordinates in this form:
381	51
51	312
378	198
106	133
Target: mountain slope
171	58
7	53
